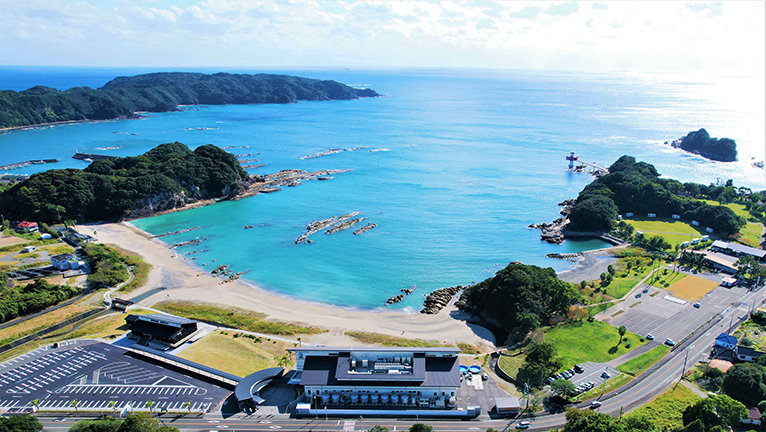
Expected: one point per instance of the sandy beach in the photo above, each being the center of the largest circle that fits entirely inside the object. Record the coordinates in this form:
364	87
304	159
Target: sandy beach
181	281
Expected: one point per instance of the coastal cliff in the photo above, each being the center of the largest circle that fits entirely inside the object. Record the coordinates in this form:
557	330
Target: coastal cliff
700	142
122	97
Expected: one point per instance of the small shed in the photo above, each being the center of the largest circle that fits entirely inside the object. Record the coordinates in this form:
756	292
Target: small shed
695	223
507	406
753	416
710	230
652	215
629	214
728	282
675	216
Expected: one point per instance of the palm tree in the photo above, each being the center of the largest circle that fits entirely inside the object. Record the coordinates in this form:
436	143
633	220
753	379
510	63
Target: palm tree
113	405
621	331
35	404
149	404
187	405
73	403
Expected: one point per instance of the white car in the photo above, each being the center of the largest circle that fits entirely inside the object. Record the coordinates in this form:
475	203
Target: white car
595	404
524	424
670	342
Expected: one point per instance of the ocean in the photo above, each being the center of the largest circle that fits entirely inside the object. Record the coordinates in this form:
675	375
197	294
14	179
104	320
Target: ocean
456	164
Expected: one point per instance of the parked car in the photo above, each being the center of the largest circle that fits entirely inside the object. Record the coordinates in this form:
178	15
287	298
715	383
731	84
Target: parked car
579	369
550	380
524	424
670	342
595	404
484	376
697	305
605	375
650	337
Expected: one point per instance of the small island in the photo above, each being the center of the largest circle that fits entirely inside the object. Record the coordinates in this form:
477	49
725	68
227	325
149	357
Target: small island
123	97
700	142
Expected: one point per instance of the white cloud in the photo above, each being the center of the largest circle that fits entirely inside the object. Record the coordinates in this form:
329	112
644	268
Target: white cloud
567	35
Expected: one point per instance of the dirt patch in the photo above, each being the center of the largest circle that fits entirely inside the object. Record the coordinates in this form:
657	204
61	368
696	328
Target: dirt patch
10	241
692	288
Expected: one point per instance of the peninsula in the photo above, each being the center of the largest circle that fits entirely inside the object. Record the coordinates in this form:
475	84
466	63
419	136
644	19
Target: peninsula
700	142
123	97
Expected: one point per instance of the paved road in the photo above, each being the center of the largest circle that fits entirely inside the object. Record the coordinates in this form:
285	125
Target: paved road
644	388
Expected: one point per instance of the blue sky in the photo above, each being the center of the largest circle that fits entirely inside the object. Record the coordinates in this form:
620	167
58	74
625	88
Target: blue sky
597	36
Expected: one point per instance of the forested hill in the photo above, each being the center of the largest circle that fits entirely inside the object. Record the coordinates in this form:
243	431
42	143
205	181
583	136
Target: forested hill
637	187
160	92
163	178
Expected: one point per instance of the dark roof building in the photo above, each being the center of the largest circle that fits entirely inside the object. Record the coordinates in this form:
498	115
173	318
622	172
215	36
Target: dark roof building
382	377
162	329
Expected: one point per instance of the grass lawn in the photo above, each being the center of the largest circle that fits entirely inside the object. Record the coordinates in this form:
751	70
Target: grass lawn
625	280
750	235
140	269
663	280
738	209
643	362
672	230
691	288
391	341
666	412
234	317
583	341
511	361
236	355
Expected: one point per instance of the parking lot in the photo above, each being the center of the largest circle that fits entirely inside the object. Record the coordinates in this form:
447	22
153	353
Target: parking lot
96	375
656	309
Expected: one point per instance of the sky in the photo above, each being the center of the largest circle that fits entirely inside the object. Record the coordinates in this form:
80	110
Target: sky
576	35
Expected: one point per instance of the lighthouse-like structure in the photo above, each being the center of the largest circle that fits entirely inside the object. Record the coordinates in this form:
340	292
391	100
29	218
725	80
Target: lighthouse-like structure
571	158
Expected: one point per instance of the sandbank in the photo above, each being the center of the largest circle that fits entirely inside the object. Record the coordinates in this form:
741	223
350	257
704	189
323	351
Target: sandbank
178	280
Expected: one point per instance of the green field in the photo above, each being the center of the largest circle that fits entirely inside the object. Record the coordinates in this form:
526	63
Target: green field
667	410
751	235
582	341
643	362
675	232
511	361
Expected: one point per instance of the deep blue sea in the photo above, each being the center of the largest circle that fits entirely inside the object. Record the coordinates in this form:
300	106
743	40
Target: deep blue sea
468	158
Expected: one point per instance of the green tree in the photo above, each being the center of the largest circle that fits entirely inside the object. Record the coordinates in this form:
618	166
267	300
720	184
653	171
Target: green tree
715	411
74	403
541	362
378	428
420	427
20	423
36	404
563	387
744	382
621	331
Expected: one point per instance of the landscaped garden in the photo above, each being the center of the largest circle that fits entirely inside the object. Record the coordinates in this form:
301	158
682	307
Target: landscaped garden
582	341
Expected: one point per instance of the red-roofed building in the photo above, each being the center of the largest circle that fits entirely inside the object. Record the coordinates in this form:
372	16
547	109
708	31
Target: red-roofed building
753	416
26	226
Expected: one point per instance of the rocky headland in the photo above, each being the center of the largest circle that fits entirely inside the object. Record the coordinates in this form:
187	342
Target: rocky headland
700	142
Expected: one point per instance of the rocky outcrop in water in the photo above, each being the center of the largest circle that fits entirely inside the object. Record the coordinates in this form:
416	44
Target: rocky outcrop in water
365	228
700	142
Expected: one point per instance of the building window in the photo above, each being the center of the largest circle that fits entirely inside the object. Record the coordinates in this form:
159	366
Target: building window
309	391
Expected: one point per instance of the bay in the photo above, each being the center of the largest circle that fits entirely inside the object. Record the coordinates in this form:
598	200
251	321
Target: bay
468	158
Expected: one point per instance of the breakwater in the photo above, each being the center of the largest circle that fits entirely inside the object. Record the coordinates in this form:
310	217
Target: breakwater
91	156
24	164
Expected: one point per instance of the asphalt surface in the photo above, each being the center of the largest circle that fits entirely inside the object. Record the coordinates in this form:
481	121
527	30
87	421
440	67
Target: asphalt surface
650	314
95	375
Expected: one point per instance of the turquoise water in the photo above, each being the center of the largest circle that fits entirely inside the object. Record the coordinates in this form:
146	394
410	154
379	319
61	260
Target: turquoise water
471	158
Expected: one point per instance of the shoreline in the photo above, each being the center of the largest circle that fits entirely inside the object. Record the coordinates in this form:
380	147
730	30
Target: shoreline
179	280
